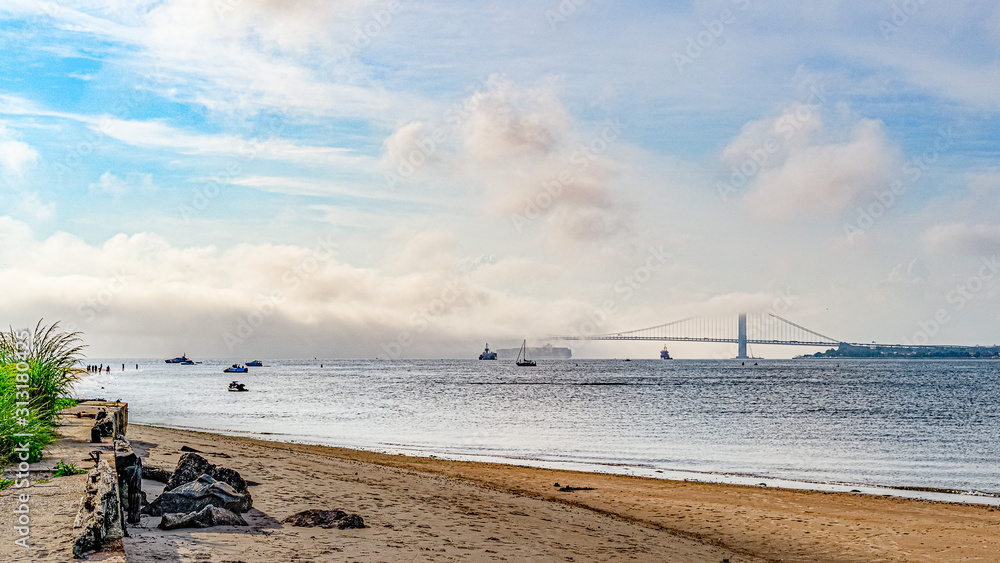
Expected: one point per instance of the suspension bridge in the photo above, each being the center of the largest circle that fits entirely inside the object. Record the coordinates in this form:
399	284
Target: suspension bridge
742	330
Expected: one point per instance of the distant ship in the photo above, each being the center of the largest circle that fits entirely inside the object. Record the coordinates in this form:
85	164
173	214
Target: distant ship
487	355
664	355
179	360
547	352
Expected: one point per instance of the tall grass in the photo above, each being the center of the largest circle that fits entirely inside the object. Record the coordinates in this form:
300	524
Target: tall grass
51	357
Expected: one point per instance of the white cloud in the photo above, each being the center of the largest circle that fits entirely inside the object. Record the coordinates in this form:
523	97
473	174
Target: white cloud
520	150
114	185
308	297
795	165
15	155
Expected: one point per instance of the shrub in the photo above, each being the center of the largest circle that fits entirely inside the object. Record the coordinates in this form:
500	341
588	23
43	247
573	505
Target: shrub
50	358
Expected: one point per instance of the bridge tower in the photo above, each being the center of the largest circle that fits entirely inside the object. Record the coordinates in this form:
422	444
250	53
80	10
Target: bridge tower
741	339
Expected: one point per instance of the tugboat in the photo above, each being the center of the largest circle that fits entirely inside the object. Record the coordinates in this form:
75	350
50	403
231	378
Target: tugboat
237	387
487	355
522	356
179	360
664	355
255	364
235	368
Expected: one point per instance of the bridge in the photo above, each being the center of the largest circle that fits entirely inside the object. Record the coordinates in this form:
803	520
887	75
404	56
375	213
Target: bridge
745	329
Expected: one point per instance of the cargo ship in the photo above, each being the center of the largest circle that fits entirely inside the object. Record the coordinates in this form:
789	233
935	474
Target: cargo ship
547	352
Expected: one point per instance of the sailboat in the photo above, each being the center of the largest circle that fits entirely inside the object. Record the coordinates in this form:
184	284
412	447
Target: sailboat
522	356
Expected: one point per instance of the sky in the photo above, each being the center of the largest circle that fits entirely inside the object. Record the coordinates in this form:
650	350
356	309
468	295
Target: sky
415	179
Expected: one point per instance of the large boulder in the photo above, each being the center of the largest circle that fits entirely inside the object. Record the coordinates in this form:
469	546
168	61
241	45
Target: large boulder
325	519
204	518
99	519
194	496
191	466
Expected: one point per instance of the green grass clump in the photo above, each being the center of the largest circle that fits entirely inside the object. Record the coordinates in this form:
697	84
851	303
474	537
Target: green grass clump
63	403
47	359
63	469
4	483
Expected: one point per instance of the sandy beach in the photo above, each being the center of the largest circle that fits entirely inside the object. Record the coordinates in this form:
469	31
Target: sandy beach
421	509
427	509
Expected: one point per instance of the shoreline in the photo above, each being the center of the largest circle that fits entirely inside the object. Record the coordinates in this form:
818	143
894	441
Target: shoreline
431	509
632	470
704	521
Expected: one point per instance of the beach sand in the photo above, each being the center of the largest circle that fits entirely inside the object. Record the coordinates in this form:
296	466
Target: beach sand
426	509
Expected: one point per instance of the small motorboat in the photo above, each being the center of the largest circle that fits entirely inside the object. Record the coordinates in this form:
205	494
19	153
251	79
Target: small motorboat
522	356
235	368
237	387
255	364
178	360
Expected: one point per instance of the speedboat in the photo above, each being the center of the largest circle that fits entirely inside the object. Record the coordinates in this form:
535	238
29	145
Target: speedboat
255	364
237	387
235	368
487	355
178	360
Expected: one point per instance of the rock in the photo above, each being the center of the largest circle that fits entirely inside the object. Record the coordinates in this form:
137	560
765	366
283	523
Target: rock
99	519
155	473
189	449
129	469
191	466
325	519
204	518
194	496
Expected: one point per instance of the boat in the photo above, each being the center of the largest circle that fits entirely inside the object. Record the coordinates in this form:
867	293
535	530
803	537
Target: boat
237	387
664	355
235	368
178	360
487	355
522	357
254	364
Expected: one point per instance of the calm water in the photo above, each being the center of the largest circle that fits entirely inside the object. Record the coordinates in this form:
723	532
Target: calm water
906	423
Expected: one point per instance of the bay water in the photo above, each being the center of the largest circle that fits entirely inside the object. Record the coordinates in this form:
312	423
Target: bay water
844	423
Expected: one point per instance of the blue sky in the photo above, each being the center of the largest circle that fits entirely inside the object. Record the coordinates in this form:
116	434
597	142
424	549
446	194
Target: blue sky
361	178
